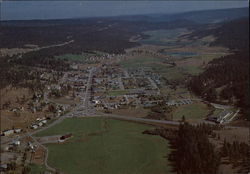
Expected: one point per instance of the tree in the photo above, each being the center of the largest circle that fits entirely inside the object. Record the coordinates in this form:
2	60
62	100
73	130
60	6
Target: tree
183	119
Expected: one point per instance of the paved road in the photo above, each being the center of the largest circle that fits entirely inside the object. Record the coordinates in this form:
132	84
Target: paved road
46	153
144	120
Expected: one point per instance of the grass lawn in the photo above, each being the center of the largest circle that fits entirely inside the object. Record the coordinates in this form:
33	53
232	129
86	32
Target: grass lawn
175	94
106	146
117	92
217	111
192	111
36	169
139	62
193	70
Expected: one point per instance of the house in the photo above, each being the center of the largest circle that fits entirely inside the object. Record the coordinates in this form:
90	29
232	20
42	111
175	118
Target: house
18	130
34	126
16	143
44	121
40	124
96	101
3	167
5	148
31	146
8	132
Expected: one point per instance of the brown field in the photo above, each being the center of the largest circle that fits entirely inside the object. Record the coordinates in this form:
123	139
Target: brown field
38	156
11	94
235	134
10	119
22	118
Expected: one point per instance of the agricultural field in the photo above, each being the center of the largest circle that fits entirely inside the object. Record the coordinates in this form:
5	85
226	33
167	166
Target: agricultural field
193	111
35	169
139	61
180	92
102	145
163	37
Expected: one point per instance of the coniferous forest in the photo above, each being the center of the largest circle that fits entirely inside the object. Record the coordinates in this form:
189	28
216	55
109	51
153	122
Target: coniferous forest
227	78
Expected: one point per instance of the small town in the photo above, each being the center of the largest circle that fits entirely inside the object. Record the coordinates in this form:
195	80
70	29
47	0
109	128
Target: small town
124	87
91	90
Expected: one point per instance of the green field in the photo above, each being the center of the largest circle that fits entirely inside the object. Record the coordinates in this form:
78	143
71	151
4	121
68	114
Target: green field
192	111
217	111
163	37
117	92
139	62
106	146
36	169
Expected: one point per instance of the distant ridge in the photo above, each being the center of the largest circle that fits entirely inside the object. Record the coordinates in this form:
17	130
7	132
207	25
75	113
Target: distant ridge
205	16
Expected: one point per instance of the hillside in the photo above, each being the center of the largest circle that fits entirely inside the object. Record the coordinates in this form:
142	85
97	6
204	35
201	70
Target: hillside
227	79
202	17
108	34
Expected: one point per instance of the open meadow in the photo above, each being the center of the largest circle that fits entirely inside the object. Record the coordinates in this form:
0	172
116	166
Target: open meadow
195	111
102	145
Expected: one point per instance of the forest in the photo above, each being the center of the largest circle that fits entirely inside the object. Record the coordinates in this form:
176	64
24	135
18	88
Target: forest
192	151
226	79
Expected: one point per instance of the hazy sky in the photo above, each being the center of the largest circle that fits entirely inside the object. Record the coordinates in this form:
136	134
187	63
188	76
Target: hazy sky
16	10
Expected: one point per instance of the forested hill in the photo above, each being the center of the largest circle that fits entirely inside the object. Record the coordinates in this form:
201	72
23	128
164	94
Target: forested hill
232	34
201	17
226	79
108	34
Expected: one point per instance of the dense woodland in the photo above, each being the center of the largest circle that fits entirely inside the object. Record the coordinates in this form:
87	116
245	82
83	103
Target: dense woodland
23	72
192	152
236	153
227	78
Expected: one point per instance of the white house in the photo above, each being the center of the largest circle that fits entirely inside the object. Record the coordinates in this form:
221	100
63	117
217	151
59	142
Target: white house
16	143
8	132
34	126
40	124
18	130
44	121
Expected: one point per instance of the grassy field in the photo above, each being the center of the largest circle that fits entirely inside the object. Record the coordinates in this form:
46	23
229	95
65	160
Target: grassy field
139	62
105	146
36	169
175	94
117	92
163	37
217	111
192	111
